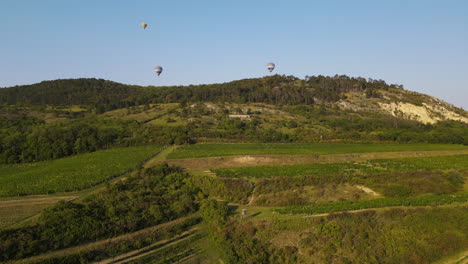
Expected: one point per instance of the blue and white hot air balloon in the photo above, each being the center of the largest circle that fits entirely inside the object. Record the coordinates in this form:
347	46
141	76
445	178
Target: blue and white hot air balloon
158	70
271	66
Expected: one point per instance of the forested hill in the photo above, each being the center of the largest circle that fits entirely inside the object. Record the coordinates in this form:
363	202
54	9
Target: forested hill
71	92
271	89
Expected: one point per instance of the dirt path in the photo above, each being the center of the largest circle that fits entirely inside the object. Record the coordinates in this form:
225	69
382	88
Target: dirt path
202	164
266	212
186	258
93	245
132	255
161	157
367	190
460	258
251	199
373	209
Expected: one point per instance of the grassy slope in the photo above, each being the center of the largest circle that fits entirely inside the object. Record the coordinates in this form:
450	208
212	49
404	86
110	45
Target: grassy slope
390	236
215	150
72	173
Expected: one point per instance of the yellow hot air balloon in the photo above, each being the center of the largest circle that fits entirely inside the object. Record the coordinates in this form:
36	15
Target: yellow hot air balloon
144	25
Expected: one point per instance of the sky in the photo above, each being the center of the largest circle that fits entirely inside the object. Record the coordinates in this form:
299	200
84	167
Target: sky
422	44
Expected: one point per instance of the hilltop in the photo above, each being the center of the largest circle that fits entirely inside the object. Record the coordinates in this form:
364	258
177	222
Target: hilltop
346	93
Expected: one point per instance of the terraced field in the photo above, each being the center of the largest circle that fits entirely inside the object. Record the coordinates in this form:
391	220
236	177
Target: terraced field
72	173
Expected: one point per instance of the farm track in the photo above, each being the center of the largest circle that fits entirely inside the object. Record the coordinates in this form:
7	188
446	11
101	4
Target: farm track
97	244
373	209
186	258
203	164
258	212
136	254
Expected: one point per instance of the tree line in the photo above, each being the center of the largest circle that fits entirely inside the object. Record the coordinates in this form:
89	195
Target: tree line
31	140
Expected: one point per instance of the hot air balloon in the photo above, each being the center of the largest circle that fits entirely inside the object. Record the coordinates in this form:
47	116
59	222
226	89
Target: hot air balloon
158	70
144	25
271	66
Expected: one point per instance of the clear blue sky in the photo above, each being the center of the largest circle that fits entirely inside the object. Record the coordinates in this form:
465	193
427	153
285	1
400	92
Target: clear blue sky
420	44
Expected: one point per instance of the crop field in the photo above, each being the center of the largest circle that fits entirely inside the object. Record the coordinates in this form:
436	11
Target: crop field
216	150
72	173
375	203
455	162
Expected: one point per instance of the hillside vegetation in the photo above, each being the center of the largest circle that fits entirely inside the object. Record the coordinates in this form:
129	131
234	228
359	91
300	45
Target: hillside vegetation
265	170
392	236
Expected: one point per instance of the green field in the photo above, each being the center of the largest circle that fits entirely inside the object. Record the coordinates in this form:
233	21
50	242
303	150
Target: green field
372	166
216	150
72	173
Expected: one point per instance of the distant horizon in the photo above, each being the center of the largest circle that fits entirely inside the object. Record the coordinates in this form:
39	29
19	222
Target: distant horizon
422	45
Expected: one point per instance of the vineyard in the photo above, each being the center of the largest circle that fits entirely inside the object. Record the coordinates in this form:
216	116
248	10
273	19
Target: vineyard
216	150
455	162
70	174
